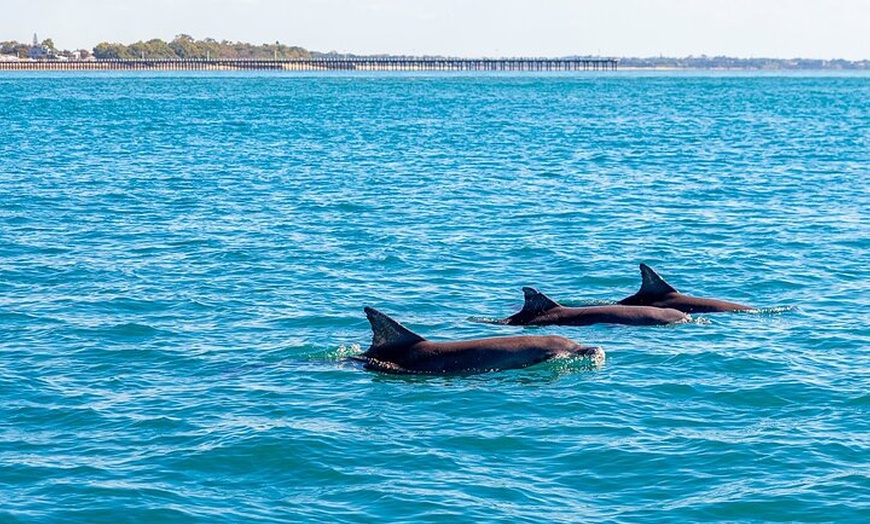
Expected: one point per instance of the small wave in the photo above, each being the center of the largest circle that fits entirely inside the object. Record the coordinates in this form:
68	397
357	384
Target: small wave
704	321
391	368
571	362
769	311
128	329
15	317
391	259
588	303
343	352
487	320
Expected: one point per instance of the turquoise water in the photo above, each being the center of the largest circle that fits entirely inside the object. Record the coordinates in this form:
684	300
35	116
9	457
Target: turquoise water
184	259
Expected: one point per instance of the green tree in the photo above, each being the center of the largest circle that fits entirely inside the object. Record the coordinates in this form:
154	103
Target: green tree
107	51
212	48
156	48
185	47
14	48
152	49
137	50
9	48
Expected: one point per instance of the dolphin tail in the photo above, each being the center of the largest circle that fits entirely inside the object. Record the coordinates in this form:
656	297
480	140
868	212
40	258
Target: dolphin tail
387	333
535	304
652	284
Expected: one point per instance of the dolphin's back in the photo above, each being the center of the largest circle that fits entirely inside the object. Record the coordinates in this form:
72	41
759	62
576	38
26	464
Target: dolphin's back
691	304
611	314
541	310
654	291
396	349
489	354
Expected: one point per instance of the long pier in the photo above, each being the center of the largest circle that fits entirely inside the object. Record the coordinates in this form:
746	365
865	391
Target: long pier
320	64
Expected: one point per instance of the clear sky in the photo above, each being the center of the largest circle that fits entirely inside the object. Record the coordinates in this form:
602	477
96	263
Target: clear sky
472	28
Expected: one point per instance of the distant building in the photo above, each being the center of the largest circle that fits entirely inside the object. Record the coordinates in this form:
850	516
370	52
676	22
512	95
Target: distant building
39	51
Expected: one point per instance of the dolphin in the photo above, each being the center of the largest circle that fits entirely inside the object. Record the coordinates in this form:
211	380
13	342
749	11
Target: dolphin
541	310
396	349
654	291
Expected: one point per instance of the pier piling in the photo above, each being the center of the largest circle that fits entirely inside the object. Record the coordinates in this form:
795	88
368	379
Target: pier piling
320	64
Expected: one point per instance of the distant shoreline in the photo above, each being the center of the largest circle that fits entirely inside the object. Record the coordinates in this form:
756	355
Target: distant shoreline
357	63
191	53
338	62
320	64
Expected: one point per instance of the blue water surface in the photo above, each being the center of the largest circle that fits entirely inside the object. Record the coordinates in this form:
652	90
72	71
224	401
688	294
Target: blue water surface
184	259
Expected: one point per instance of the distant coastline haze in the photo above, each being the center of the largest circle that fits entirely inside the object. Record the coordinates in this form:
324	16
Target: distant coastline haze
814	29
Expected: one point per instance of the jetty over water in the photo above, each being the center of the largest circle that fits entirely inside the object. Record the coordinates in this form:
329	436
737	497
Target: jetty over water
320	64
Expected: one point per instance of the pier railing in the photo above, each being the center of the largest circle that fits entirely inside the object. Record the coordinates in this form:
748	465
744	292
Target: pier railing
320	64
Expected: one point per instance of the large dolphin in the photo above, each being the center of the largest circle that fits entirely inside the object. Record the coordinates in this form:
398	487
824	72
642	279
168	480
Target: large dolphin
396	349
541	310
654	291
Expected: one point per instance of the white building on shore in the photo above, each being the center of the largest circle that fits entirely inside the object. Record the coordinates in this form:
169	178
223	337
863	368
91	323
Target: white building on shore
39	51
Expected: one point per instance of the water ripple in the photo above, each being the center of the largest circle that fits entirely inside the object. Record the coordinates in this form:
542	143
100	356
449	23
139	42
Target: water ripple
185	258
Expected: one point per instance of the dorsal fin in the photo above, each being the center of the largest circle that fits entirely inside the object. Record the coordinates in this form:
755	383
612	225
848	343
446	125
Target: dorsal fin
537	302
652	284
387	333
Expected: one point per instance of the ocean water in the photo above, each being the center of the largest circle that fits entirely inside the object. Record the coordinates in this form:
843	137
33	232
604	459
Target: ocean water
184	259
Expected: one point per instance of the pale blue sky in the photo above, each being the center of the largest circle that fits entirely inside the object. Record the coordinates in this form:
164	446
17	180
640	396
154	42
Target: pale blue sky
743	28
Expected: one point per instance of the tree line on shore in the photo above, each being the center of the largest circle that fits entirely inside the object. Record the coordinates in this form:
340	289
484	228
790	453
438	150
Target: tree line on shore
186	47
725	62
181	47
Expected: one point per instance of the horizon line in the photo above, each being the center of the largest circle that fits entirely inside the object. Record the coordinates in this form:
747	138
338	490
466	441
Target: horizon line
659	56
